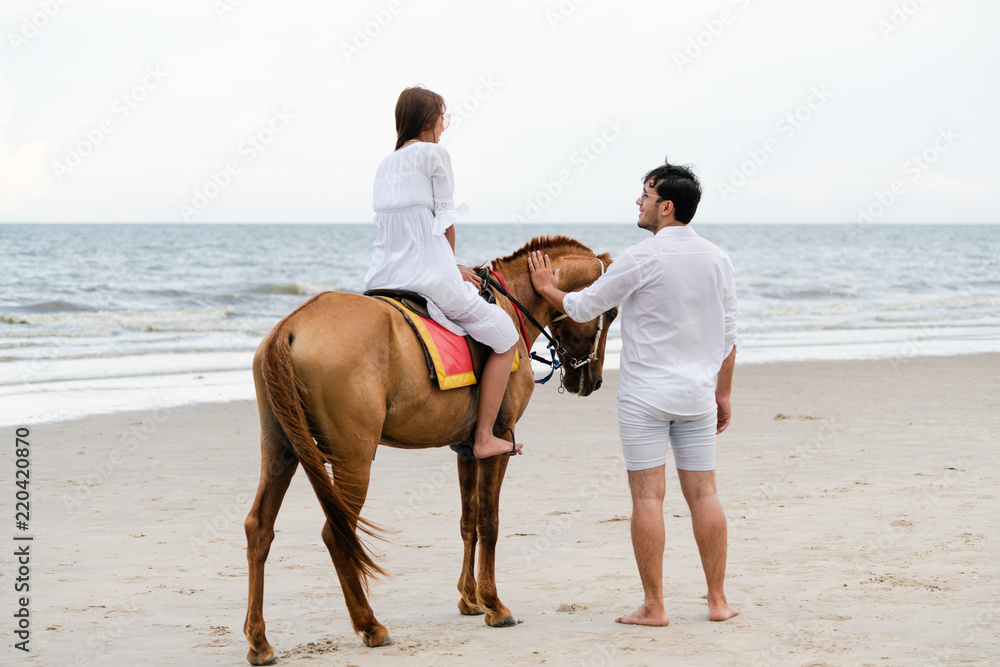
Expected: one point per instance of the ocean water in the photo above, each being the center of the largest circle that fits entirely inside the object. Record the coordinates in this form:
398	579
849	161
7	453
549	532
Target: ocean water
102	318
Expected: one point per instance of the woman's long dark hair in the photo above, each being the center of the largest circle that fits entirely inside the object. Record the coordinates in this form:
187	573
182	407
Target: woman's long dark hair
417	109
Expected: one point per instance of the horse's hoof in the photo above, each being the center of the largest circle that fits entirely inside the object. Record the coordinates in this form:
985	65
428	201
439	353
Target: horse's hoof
262	658
508	622
374	641
467	609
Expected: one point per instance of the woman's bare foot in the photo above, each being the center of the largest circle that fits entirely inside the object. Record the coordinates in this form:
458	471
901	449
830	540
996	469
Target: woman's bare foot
722	611
646	615
488	445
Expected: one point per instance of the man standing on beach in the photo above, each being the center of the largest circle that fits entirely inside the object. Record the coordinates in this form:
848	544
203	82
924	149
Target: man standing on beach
678	313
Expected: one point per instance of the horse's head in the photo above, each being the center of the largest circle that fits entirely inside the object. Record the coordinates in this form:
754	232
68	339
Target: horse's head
583	343
583	355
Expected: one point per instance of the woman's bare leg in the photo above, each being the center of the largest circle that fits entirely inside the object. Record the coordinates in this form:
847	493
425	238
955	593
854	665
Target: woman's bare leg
491	391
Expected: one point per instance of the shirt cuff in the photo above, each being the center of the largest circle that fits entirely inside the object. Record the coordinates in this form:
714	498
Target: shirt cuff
736	343
569	305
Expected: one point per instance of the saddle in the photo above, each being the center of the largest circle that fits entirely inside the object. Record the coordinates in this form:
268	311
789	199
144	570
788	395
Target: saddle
453	361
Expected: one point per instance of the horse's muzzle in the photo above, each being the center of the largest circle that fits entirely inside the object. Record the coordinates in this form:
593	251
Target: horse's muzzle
587	384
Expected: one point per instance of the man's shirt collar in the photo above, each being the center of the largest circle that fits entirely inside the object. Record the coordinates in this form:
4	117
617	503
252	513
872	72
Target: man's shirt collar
676	230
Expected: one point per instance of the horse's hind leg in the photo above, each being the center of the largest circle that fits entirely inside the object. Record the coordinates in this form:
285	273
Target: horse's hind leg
467	481
354	475
277	466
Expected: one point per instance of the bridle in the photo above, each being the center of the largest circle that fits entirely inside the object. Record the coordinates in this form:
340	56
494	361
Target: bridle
554	346
576	363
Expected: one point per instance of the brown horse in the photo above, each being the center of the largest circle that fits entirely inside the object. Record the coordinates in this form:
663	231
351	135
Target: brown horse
344	373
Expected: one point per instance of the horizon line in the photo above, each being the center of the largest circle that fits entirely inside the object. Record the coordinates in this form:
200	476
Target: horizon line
515	224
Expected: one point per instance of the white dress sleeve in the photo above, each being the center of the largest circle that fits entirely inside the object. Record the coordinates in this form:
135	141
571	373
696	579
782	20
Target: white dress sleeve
443	186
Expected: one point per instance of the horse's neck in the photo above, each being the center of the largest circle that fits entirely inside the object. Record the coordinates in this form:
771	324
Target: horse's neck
575	272
518	283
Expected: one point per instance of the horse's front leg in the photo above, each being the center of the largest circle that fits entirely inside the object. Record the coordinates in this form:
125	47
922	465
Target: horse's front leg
491	472
468	475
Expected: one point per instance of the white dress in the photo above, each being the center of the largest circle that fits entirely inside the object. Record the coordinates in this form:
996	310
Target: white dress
413	208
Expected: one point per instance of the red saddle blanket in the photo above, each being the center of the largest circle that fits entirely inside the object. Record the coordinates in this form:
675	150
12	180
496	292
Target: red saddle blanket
449	353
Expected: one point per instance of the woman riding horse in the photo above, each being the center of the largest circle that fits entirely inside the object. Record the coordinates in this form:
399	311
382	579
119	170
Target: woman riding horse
415	250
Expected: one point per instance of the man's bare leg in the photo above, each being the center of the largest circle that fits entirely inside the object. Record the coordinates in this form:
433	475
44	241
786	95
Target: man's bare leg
647	488
496	372
709	523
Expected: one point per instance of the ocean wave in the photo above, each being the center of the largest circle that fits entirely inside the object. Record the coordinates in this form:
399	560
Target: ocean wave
105	322
844	292
56	307
297	289
952	319
786	307
29	334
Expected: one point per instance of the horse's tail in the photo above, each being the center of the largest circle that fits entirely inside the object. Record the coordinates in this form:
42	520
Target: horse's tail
284	393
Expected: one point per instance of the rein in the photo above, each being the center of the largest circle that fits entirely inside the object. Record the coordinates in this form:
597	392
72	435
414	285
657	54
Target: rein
517	307
554	346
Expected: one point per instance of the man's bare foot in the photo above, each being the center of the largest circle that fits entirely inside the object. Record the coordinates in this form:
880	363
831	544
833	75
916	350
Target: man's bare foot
722	612
646	616
490	445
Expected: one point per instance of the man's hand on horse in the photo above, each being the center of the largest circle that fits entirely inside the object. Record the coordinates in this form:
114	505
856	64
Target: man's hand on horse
469	276
543	277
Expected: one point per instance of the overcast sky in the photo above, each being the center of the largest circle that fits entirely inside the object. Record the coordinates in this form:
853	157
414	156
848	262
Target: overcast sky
273	111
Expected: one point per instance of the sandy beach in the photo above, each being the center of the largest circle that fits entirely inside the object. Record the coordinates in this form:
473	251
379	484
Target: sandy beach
860	497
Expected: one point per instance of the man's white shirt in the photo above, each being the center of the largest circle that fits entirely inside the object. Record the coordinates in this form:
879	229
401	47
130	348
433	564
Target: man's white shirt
678	318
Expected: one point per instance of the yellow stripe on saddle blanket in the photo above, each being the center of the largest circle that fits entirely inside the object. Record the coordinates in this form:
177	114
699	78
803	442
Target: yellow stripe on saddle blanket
450	353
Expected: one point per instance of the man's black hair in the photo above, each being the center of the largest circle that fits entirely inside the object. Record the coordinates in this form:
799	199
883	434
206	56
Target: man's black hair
677	184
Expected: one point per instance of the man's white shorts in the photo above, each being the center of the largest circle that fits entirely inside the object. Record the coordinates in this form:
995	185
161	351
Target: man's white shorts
646	432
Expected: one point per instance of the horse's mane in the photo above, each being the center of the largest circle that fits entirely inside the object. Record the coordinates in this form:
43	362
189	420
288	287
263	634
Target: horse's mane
553	245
